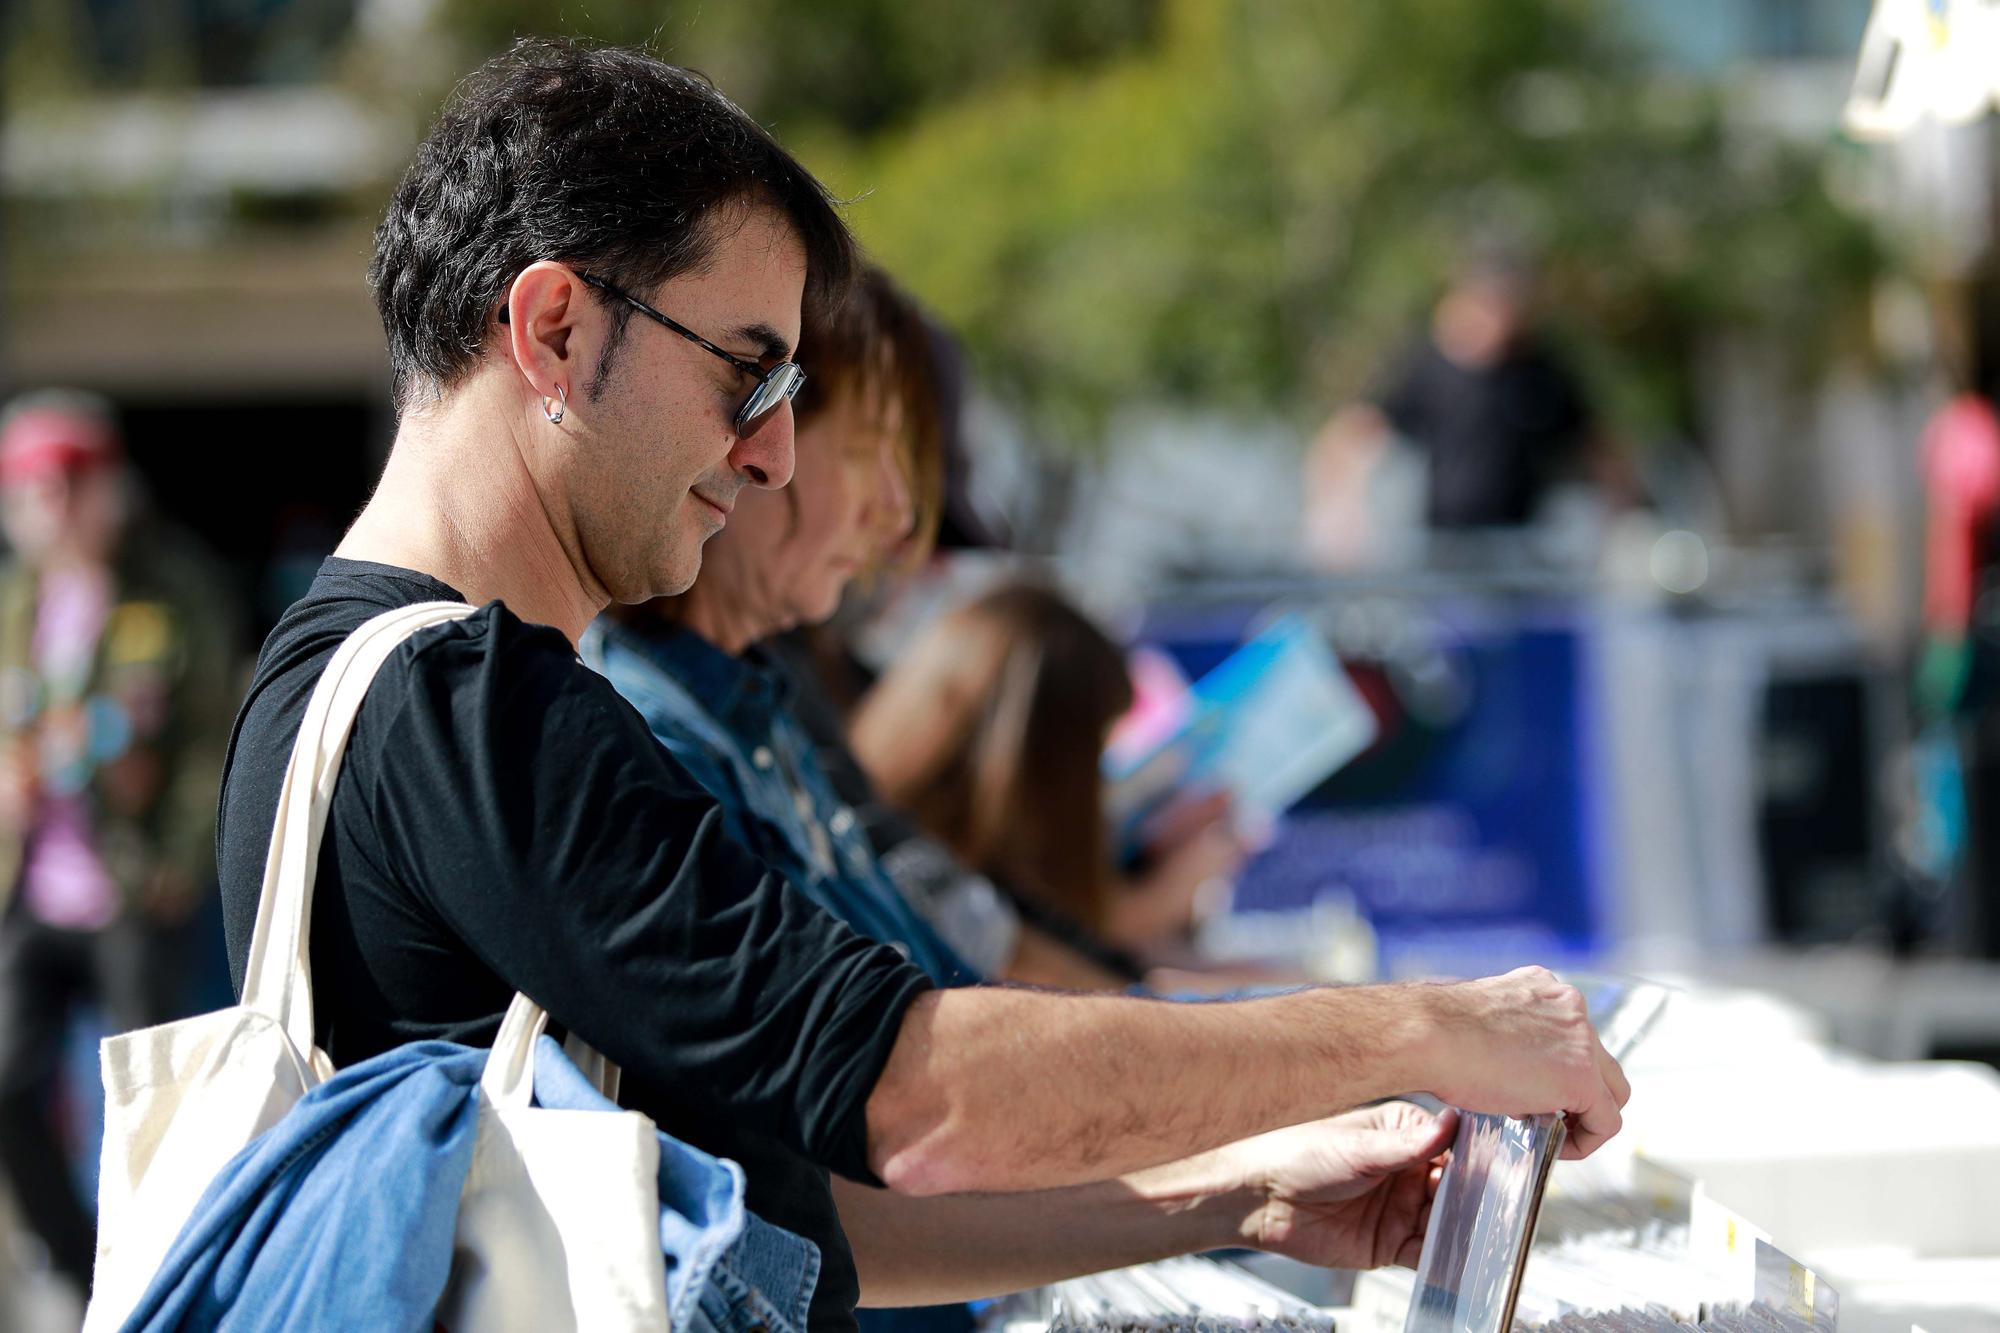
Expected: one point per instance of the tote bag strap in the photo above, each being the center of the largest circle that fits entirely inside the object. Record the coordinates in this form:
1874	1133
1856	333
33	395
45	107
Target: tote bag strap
277	980
508	1081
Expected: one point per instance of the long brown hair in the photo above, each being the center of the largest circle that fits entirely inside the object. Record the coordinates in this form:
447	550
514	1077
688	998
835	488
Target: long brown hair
990	730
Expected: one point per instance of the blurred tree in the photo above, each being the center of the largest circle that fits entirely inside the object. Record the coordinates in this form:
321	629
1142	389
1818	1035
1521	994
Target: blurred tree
859	65
1256	209
1250	203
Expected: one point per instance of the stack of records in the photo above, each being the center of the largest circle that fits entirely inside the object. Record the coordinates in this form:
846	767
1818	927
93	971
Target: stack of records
1755	1317
1190	1295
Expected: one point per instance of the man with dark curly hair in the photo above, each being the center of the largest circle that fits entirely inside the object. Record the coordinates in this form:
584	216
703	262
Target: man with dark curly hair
592	279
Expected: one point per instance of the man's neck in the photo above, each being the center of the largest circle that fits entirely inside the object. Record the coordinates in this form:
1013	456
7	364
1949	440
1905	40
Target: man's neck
457	502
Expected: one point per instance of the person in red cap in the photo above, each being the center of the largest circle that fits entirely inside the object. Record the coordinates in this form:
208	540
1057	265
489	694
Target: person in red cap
117	651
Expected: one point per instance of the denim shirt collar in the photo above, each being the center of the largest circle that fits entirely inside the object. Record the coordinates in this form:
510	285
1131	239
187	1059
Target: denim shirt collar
745	694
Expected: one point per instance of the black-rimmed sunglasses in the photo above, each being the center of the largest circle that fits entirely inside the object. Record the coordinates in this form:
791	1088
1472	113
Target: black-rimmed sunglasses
775	386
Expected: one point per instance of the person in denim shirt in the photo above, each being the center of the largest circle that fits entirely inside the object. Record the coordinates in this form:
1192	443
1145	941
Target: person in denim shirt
729	710
728	720
691	667
731	714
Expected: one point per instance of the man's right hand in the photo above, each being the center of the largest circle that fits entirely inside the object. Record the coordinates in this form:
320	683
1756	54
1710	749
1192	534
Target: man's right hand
1521	1045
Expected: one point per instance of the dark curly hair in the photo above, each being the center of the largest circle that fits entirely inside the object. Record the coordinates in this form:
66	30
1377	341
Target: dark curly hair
586	154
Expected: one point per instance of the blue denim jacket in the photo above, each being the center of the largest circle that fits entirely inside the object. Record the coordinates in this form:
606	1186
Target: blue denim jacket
728	721
342	1214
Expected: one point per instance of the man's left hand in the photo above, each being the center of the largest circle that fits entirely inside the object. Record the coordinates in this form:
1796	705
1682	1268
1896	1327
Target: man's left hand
1351	1191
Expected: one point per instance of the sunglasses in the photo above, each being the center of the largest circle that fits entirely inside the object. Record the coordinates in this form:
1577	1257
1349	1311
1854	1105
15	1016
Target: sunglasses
775	385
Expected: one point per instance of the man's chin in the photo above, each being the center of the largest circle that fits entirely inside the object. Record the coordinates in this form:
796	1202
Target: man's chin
680	573
674	587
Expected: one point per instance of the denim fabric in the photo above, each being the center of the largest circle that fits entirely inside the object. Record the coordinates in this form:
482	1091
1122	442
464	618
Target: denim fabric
719	1254
729	722
780	1266
729	1304
342	1215
339	1216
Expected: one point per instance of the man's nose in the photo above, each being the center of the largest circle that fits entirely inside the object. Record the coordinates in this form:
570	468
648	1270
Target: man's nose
765	459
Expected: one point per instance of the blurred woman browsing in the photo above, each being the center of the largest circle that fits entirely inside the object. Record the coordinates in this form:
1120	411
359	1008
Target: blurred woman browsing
990	728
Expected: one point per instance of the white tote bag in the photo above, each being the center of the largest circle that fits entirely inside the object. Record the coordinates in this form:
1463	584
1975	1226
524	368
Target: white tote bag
559	1223
559	1226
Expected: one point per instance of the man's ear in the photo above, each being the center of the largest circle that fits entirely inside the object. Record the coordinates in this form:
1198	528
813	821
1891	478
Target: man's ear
545	307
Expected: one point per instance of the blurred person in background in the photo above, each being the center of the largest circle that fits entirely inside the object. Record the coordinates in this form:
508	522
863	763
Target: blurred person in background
697	668
116	654
990	729
1498	415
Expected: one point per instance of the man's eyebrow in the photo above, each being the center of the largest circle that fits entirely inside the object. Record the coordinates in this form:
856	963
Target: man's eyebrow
770	344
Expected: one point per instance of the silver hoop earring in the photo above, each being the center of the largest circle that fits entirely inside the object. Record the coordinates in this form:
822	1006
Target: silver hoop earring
555	417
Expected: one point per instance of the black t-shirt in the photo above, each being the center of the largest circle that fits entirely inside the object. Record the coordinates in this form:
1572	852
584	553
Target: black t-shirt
504	821
1495	436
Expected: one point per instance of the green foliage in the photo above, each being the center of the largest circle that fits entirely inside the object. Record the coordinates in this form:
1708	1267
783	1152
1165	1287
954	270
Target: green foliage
1257	209
1250	203
859	65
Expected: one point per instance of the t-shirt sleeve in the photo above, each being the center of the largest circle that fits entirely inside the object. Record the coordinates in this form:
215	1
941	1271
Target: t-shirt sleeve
530	808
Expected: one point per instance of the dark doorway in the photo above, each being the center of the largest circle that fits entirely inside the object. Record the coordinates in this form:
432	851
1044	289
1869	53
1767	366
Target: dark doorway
269	485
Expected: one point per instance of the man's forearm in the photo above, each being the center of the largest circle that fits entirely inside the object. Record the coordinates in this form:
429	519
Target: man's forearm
997	1089
961	1247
